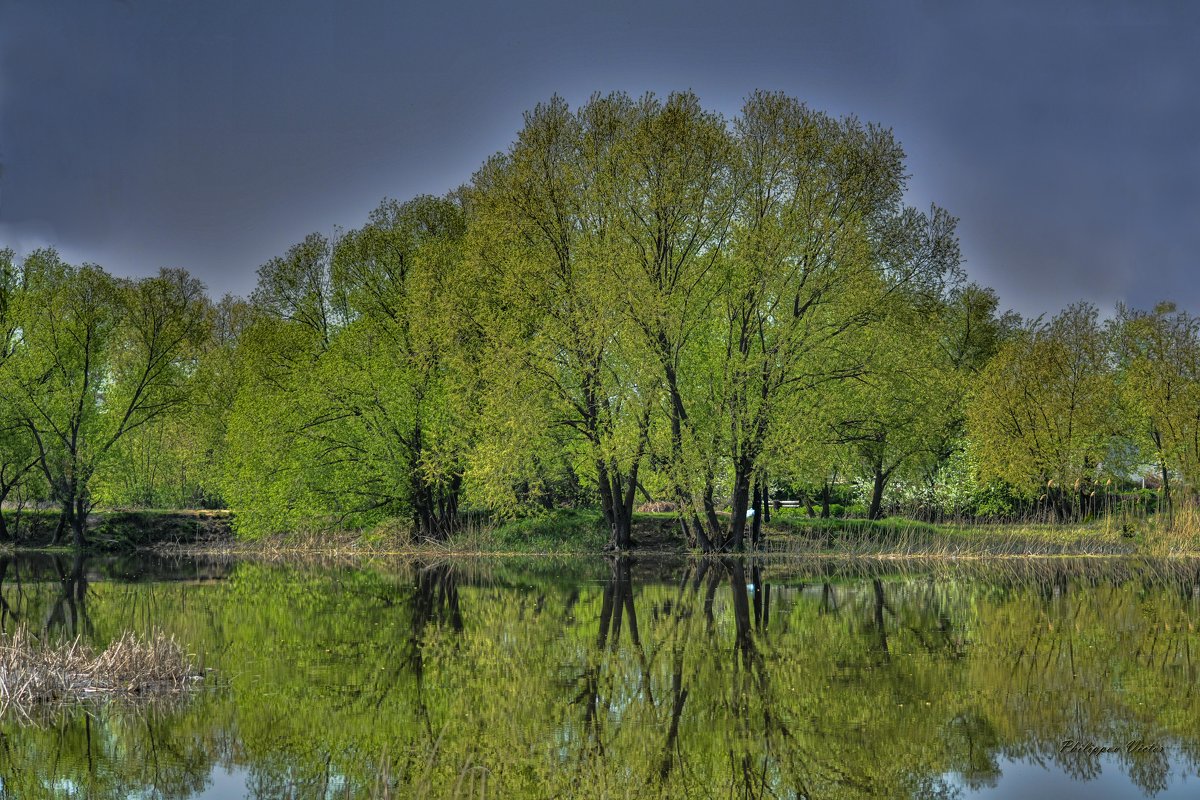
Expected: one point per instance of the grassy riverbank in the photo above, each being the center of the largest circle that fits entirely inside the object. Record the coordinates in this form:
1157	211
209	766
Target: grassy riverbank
577	532
111	530
572	531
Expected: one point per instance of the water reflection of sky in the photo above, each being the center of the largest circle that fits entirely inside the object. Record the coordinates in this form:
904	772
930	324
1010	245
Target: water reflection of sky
226	784
1022	780
1019	780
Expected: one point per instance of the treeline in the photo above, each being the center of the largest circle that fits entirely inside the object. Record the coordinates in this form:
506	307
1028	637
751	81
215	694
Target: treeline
638	300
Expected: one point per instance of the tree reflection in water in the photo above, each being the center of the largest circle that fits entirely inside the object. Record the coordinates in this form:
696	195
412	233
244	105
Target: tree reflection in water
620	677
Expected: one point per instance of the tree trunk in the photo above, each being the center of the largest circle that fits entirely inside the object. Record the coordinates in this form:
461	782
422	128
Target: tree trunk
876	509
702	537
65	520
757	520
616	504
622	530
825	500
710	511
1058	504
447	505
422	509
4	536
631	484
766	499
620	521
741	502
612	506
606	501
60	528
79	526
1166	493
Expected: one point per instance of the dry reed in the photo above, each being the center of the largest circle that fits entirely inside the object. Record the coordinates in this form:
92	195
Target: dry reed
36	674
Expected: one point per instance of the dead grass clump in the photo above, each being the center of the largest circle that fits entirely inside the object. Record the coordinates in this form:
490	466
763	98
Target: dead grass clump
656	507
34	673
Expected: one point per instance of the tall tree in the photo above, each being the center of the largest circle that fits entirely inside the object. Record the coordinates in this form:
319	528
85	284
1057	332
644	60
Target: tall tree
674	202
17	457
353	375
545	235
98	357
821	246
407	366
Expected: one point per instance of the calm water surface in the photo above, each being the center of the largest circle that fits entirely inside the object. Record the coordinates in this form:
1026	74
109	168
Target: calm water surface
599	678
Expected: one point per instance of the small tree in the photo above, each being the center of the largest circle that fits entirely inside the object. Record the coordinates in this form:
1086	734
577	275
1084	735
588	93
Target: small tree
1044	411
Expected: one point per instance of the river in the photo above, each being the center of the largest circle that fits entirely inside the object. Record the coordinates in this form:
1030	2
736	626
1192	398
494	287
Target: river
594	677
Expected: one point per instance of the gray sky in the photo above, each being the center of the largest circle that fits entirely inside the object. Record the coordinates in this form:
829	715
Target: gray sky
212	135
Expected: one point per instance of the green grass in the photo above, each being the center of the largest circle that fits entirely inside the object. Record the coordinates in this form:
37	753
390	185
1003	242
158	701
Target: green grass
647	515
788	534
794	523
561	530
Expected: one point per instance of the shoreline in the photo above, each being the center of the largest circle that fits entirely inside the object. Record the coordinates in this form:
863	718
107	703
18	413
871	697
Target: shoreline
577	534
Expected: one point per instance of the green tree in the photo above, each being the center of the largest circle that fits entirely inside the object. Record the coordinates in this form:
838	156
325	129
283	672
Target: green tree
674	199
904	415
651	262
1158	355
98	357
405	363
1043	413
897	414
353	398
545	232
17	455
821	247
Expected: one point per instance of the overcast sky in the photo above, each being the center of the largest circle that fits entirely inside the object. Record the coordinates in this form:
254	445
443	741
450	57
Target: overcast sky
212	135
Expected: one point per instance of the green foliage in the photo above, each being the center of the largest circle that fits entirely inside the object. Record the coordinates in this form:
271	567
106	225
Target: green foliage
91	359
354	399
163	464
1044	412
1158	354
638	299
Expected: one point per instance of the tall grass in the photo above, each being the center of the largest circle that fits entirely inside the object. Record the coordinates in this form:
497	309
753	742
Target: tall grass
35	674
1126	528
1175	534
901	538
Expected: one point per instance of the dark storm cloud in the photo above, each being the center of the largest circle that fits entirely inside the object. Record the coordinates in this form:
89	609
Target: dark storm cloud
211	135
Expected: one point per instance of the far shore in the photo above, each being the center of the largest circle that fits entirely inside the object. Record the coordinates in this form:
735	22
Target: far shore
580	533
